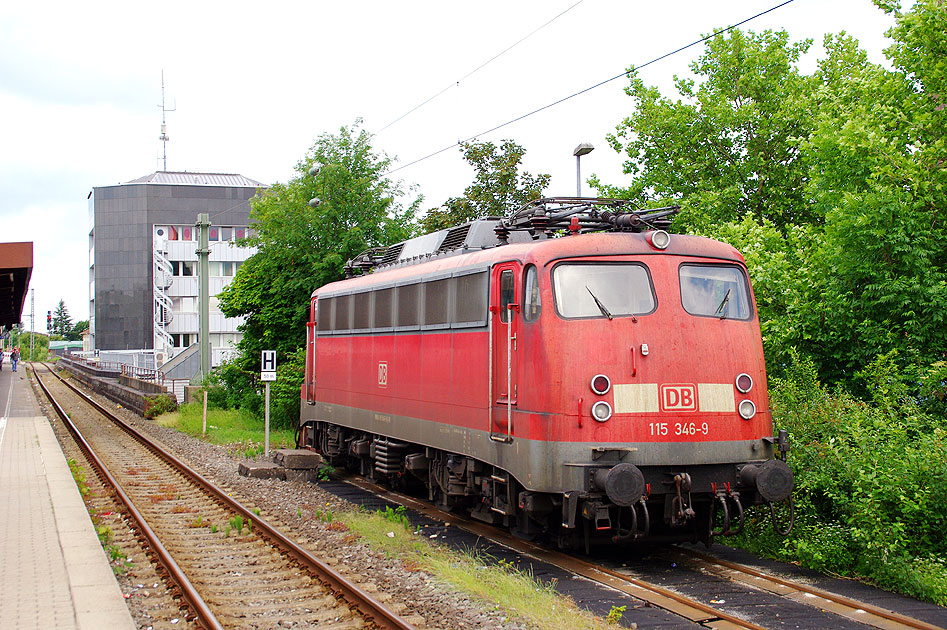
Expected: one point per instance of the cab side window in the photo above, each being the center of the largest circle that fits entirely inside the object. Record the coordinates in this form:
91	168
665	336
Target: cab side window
506	294
532	302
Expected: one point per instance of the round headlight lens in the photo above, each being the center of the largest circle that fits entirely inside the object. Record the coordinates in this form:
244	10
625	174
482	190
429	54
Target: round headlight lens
747	409
601	411
744	383
601	384
659	239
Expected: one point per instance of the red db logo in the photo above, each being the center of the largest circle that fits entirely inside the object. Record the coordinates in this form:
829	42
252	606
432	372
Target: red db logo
383	374
678	397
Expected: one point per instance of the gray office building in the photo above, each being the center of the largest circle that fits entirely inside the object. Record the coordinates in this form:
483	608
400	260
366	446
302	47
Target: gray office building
142	258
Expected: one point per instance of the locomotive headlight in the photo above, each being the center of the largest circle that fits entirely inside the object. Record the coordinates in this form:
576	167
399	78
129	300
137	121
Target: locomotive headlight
601	411
744	383
659	239
601	384
747	409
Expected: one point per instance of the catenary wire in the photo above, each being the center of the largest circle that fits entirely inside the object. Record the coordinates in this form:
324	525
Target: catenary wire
561	100
480	67
591	87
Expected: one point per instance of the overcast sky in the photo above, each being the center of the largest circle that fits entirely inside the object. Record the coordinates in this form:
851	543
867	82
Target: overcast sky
254	84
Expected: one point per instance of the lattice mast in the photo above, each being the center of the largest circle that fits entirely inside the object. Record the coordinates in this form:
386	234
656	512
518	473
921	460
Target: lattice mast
164	128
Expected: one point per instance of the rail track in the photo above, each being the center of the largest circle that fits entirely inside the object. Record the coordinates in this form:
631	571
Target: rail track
228	565
697	605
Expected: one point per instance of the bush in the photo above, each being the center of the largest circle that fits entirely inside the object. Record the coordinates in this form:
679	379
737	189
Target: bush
157	405
871	481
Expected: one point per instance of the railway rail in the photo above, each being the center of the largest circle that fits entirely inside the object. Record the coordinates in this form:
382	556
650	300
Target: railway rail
246	580
687	606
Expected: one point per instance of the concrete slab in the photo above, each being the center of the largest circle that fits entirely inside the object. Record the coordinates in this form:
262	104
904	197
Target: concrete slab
297	458
261	470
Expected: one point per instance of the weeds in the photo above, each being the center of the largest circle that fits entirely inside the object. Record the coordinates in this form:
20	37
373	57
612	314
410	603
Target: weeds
78	475
398	516
615	614
236	523
325	473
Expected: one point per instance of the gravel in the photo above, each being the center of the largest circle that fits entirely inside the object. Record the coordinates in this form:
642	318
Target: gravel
416	595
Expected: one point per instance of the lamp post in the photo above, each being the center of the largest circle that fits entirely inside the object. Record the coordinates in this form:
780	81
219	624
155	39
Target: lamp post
583	149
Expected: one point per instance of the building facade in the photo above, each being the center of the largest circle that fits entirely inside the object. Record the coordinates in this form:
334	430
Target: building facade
143	283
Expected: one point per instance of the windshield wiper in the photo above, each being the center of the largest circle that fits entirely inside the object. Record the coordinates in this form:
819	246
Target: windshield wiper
723	303
599	304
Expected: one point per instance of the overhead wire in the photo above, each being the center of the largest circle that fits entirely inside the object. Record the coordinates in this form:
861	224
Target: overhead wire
592	87
481	66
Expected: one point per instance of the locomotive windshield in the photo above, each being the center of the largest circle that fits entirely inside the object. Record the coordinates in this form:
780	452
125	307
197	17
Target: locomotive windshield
715	291
602	290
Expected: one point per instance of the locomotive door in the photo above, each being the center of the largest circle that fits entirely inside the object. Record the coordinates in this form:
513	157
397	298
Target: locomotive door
311	352
504	324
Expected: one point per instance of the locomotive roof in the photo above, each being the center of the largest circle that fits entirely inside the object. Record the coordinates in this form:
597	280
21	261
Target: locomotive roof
540	252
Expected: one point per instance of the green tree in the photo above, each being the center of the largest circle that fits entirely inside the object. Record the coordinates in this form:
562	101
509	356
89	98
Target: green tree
62	323
75	334
879	174
498	187
300	247
728	146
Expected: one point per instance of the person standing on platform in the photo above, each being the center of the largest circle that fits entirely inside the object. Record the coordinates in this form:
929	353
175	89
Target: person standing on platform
15	357
1	359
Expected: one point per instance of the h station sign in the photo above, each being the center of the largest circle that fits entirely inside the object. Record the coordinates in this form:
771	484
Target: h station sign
268	365
267	375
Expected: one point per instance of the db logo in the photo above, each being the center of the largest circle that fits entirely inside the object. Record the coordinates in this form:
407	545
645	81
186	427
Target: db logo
383	374
678	397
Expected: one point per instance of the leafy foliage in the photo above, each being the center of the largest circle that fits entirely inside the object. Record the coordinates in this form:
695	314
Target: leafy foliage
300	248
871	481
160	404
728	146
76	333
497	189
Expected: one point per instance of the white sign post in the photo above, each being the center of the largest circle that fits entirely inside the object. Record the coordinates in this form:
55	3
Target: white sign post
267	375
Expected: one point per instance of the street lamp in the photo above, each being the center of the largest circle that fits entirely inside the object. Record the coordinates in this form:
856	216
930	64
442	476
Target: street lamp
583	149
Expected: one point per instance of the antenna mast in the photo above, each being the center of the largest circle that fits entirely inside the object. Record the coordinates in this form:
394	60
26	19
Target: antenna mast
164	127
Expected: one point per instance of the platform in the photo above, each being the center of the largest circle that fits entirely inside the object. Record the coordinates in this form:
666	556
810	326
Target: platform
53	571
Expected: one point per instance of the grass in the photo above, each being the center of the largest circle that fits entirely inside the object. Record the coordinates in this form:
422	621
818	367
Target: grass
507	588
237	429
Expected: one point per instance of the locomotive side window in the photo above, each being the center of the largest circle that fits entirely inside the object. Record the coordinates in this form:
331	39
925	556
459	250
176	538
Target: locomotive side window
436	296
506	295
408	305
363	311
383	303
343	310
715	291
470	298
325	322
532	303
602	290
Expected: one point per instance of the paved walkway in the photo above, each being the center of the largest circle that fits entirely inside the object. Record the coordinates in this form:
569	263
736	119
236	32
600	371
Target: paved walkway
53	571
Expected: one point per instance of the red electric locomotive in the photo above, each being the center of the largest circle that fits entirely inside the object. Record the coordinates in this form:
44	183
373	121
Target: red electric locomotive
572	370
